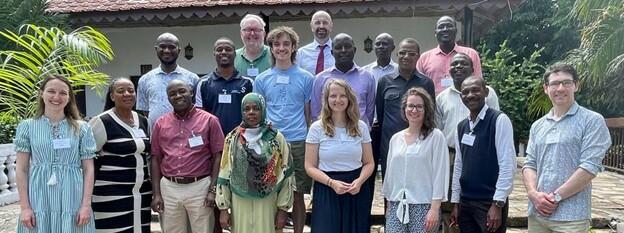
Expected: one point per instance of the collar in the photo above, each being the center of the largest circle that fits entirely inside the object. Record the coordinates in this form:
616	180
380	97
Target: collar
574	108
481	114
187	115
317	44
392	64
439	51
265	51
176	71
355	68
416	74
235	75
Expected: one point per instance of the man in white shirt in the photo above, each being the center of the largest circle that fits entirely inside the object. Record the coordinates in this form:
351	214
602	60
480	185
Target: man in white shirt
485	162
316	56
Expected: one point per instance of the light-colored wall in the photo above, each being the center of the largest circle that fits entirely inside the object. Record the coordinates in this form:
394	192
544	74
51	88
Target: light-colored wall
135	46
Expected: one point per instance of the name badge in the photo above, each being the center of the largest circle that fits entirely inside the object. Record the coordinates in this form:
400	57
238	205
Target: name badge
196	141
468	139
283	79
225	99
139	133
61	143
446	82
252	72
552	137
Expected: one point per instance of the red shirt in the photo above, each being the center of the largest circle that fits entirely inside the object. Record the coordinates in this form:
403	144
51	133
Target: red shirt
170	140
436	64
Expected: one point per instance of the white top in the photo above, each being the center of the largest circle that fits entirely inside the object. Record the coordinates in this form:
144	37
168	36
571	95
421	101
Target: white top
505	152
341	152
450	110
420	171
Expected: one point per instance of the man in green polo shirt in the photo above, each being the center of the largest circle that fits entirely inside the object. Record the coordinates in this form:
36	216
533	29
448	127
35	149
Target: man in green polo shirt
253	58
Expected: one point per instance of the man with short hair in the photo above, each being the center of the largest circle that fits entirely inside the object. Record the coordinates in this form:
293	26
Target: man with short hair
391	89
253	58
186	153
316	56
286	89
435	63
485	163
359	79
222	91
151	93
564	154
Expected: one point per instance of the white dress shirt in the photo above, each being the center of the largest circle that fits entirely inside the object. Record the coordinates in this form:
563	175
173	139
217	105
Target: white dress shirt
308	54
506	154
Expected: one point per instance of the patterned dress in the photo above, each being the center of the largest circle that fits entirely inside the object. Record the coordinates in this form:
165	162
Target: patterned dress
122	192
55	179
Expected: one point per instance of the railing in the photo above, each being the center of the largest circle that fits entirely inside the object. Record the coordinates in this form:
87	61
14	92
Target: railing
614	160
8	187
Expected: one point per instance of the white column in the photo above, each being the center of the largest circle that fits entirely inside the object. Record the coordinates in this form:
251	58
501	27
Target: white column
8	189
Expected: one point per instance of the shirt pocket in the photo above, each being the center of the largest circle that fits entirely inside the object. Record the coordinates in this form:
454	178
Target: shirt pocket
391	97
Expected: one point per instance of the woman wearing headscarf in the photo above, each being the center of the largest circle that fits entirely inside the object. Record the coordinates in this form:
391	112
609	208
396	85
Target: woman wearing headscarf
254	188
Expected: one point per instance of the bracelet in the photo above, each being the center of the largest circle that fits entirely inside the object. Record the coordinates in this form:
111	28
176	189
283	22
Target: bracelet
330	183
328	180
212	189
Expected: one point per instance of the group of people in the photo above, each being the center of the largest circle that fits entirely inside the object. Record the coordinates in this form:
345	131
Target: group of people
239	148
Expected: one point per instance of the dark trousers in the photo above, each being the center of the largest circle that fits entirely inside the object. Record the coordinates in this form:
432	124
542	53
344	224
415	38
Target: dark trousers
473	216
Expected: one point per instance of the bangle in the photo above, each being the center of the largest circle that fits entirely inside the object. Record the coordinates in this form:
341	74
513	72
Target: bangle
328	180
212	189
330	183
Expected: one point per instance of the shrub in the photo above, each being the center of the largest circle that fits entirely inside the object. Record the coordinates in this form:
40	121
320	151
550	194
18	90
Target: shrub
8	123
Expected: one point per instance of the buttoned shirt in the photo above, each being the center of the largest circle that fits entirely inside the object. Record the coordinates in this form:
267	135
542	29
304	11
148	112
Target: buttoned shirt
436	64
450	110
308	55
251	68
557	148
223	97
186	143
392	69
360	80
152	91
505	153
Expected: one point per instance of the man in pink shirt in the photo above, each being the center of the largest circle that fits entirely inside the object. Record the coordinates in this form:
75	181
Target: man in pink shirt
186	154
435	63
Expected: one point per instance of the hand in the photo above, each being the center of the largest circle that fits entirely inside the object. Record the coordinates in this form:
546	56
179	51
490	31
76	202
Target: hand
157	204
28	218
224	219
454	214
355	187
431	220
84	215
210	200
494	218
280	219
544	203
340	187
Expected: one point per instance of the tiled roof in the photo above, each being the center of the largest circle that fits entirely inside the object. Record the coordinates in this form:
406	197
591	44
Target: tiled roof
75	6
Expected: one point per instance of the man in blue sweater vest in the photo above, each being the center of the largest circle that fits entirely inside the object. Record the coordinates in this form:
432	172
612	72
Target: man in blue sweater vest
484	164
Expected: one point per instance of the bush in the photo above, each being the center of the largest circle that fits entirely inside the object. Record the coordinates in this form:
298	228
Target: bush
514	83
8	123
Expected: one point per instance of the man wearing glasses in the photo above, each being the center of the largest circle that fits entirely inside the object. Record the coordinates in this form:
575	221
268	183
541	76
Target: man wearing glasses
253	58
391	89
564	154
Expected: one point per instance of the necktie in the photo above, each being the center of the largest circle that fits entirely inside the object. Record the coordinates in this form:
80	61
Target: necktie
320	61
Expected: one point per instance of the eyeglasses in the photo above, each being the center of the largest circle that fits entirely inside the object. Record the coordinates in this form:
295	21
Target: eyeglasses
402	53
566	83
254	30
418	107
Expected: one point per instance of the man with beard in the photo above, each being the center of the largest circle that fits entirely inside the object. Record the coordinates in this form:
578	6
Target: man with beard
151	94
253	58
358	78
485	163
391	89
450	111
435	62
222	91
286	88
186	154
316	56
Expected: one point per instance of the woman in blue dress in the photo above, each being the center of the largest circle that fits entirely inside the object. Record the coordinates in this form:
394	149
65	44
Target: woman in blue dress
54	172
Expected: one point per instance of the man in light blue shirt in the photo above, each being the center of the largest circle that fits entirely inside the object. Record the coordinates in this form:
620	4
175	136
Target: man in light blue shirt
286	89
152	88
564	154
316	56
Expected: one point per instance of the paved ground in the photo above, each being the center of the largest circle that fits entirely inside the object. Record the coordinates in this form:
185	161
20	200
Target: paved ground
607	200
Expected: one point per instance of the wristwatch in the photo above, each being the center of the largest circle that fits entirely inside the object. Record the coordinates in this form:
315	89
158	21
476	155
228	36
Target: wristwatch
499	204
557	197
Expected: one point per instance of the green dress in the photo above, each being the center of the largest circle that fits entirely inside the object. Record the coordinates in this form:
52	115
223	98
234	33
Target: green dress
55	179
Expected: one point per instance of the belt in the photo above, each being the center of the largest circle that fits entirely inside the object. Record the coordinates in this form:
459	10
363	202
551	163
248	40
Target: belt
184	180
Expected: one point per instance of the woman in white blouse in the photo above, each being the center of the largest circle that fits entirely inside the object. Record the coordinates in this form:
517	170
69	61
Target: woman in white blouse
339	158
417	173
